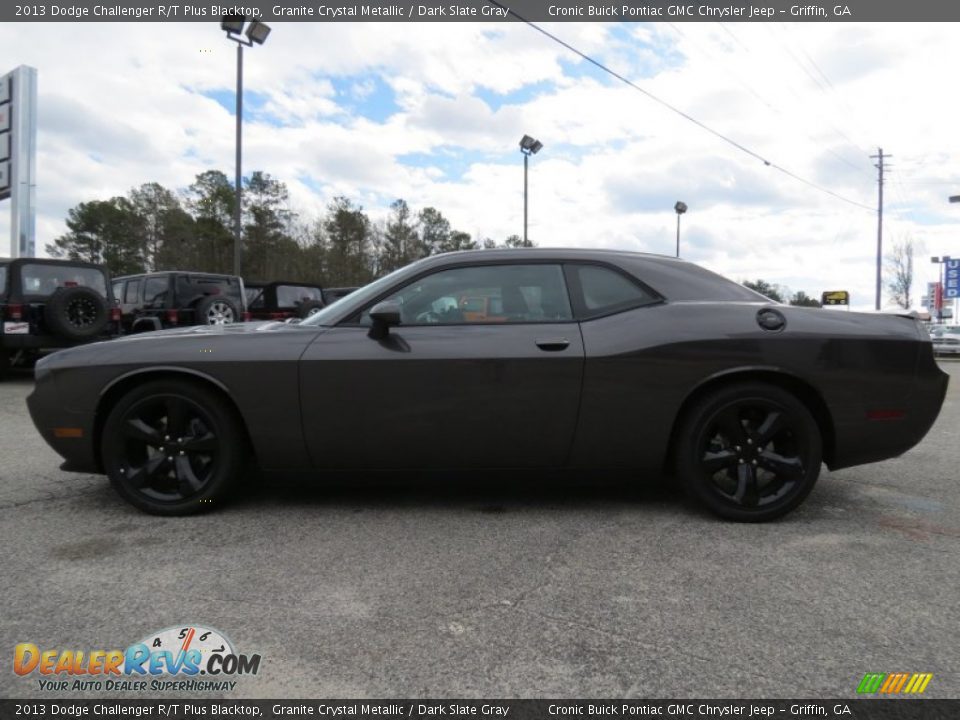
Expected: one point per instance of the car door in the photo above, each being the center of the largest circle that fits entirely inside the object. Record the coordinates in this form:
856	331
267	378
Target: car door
449	389
130	302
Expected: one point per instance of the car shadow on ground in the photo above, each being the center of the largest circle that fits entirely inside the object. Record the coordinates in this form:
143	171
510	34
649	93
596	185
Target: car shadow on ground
486	492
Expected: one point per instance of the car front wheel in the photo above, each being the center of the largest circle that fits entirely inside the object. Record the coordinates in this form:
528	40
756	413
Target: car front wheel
172	448
749	452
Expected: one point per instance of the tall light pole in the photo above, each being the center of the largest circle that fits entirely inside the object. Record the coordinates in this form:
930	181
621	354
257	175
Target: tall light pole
681	208
528	146
257	32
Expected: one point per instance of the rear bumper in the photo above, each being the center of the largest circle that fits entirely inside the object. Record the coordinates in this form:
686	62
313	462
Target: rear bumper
865	439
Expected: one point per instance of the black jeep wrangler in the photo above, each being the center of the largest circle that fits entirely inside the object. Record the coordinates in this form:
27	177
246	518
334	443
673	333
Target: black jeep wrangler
50	304
167	299
282	299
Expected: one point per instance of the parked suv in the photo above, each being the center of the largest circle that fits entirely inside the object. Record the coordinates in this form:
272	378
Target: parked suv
157	300
50	304
283	299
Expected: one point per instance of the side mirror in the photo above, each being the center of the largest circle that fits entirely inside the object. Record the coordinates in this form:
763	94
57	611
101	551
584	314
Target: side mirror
383	315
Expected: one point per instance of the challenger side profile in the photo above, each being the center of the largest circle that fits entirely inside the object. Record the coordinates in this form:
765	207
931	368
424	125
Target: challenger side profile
520	358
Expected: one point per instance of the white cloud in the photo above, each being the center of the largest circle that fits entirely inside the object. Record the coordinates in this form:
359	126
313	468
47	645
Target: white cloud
124	104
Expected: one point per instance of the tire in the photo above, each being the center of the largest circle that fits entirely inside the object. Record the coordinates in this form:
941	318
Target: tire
187	471
217	310
309	307
4	363
749	452
76	313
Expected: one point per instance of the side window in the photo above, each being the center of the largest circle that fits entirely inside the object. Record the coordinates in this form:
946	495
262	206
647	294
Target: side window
155	291
254	296
292	295
485	294
132	292
605	290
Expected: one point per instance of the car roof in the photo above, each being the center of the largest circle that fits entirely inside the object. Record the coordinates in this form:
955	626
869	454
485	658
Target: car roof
176	272
52	261
264	283
560	253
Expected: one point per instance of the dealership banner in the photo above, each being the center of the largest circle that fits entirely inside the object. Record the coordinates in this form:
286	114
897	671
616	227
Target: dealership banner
189	709
483	11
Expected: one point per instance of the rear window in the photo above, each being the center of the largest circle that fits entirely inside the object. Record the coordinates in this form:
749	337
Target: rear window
189	286
686	282
254	296
290	295
44	280
3	279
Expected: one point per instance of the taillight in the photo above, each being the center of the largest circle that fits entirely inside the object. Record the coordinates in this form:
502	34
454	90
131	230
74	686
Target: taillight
173	317
276	315
15	312
115	314
247	316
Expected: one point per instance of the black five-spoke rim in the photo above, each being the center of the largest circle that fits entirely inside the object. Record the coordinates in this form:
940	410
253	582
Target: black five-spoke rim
753	454
170	449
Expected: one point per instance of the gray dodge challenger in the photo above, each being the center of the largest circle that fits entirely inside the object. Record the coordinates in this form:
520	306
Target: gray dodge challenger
539	358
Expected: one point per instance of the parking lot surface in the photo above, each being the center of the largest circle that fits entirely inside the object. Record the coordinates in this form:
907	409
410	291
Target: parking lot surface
513	588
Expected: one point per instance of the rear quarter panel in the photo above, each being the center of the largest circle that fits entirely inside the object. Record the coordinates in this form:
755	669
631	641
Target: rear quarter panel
643	365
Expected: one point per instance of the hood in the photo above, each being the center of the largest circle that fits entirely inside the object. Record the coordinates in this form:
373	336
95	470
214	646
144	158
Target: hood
240	328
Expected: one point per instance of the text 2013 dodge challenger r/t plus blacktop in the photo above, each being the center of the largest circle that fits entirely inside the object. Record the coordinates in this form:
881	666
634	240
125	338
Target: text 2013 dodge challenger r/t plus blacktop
519	358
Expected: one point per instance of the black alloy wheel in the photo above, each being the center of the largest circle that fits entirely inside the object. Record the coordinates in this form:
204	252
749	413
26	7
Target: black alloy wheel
82	312
750	452
172	448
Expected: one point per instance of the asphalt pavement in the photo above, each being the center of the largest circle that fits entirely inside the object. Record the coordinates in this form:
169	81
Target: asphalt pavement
510	588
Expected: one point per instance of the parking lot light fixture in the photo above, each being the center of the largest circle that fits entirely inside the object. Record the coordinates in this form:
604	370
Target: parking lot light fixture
681	208
528	146
232	24
257	33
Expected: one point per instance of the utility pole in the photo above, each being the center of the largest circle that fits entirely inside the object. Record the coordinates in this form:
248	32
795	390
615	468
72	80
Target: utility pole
880	157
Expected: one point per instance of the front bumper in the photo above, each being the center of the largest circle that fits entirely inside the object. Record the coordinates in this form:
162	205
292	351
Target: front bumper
70	434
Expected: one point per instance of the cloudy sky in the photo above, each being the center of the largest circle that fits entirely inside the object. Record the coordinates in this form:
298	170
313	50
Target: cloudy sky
432	113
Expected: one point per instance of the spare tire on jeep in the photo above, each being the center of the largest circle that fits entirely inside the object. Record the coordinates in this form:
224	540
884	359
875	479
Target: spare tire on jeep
76	313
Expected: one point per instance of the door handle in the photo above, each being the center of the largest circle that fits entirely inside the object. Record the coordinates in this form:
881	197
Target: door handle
553	344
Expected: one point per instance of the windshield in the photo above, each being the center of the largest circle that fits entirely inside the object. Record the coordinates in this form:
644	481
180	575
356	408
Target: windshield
364	294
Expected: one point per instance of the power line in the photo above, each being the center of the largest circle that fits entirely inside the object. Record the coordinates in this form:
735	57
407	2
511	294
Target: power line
775	109
815	81
678	111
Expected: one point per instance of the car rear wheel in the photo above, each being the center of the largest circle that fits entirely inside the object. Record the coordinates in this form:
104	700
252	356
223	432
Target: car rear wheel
172	448
309	307
215	310
749	452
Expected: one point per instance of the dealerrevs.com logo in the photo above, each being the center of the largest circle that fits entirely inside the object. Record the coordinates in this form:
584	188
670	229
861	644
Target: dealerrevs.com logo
190	658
